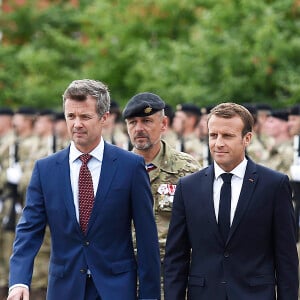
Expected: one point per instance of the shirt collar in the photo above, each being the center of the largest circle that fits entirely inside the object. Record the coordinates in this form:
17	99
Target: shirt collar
238	171
96	153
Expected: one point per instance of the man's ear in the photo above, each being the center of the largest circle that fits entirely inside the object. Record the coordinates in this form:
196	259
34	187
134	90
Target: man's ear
104	117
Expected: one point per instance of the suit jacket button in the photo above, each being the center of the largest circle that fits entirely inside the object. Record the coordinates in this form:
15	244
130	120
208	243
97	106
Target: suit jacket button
83	271
87	243
226	254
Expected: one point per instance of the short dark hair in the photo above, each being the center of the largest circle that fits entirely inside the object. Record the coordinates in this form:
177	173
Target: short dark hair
229	110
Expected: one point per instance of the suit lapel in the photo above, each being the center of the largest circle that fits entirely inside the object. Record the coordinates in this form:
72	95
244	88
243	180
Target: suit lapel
209	175
64	185
108	170
249	183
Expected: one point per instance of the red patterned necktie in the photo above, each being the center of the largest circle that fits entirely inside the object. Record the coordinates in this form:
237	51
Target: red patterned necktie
85	191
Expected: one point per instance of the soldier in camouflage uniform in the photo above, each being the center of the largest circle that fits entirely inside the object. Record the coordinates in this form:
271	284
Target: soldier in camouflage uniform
281	154
185	124
61	131
145	120
113	130
169	135
6	140
260	146
15	167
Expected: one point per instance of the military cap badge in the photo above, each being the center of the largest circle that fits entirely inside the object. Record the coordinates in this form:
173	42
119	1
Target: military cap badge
148	110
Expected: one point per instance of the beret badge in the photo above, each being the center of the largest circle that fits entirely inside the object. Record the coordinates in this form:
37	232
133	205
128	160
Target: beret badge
148	110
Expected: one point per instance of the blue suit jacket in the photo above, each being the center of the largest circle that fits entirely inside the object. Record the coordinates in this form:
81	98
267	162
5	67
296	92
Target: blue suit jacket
123	196
259	254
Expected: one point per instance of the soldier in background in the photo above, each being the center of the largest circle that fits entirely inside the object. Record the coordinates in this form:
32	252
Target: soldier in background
169	134
257	150
263	111
186	119
61	131
281	154
6	140
202	133
17	171
113	130
146	122
44	130
294	130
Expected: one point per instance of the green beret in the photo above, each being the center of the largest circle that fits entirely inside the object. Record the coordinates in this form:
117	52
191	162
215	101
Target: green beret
142	105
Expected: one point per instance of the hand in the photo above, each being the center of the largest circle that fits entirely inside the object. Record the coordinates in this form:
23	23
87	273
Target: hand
18	293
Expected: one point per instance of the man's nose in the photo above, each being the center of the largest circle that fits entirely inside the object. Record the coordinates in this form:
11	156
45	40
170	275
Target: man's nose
219	141
77	122
139	126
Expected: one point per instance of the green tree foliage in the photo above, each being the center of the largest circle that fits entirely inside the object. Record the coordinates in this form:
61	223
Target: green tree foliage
39	55
186	51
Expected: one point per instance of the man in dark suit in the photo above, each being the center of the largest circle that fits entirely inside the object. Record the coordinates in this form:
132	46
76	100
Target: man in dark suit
243	249
92	255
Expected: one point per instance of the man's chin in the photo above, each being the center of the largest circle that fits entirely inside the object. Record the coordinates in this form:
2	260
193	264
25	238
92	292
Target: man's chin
141	147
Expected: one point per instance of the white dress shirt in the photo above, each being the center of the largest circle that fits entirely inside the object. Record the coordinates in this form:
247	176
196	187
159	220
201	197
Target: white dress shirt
94	166
236	186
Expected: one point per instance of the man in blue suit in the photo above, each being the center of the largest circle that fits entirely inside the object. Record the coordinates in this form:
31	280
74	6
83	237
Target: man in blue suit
92	260
243	248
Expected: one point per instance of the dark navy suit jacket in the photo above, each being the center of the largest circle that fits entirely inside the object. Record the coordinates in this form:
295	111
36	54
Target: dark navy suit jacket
260	252
123	196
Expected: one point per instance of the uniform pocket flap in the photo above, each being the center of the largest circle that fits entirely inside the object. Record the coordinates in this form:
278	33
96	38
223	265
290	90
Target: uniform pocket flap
123	266
194	280
261	280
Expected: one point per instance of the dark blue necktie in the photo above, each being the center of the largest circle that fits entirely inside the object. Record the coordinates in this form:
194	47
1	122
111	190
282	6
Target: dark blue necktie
224	206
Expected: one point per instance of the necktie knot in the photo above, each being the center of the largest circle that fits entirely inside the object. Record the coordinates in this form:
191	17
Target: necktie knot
226	177
85	158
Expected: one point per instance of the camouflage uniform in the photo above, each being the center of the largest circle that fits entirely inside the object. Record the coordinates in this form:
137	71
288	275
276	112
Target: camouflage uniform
26	146
5	248
192	145
117	137
281	157
171	138
170	166
257	150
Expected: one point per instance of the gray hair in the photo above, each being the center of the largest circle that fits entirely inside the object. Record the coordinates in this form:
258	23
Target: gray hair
79	90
